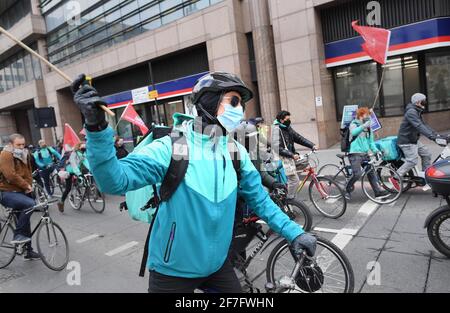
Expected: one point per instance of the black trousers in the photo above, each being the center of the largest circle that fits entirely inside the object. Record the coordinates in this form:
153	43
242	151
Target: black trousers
68	188
356	161
223	281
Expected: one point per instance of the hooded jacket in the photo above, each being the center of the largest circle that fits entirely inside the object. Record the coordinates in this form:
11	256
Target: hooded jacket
192	232
15	173
413	126
284	138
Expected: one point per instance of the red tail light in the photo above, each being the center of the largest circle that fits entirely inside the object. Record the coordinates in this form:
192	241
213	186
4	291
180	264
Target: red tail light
435	173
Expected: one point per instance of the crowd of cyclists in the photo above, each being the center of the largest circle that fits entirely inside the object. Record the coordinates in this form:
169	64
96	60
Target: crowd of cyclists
201	206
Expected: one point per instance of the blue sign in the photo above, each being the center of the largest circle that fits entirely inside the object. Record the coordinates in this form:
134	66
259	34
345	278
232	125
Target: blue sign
376	125
348	115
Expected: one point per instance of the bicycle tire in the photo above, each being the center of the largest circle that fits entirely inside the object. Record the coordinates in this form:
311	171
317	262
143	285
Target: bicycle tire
304	211
377	170
5	244
433	231
339	196
39	193
321	242
75	193
48	237
92	198
334	172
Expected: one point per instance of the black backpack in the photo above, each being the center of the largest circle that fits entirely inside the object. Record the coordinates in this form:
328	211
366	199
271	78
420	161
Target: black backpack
174	176
345	139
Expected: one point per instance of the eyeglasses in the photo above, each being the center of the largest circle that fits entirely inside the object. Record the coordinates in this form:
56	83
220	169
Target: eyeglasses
235	101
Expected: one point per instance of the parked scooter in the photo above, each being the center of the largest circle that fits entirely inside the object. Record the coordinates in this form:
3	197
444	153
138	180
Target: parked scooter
438	222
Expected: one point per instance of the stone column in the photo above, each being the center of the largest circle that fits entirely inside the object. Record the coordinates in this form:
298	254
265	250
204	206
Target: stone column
266	66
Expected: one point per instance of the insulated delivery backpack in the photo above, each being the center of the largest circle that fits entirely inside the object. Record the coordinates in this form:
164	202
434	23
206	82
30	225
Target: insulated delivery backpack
143	204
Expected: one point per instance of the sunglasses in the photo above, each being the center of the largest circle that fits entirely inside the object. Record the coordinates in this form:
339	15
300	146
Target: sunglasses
235	101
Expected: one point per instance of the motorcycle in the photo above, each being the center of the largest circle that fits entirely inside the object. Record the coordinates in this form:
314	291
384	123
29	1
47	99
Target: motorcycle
438	222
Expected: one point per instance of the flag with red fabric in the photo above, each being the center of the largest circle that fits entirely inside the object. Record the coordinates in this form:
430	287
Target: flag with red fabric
70	138
130	115
376	43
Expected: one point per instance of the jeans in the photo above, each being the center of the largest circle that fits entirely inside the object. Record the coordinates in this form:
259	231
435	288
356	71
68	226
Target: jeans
356	161
412	153
45	174
223	281
67	188
20	202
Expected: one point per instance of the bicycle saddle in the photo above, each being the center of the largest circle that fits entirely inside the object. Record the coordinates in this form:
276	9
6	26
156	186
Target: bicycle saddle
341	156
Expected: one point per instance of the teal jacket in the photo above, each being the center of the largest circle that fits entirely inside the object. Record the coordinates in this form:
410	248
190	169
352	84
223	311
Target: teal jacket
192	232
76	160
43	157
365	139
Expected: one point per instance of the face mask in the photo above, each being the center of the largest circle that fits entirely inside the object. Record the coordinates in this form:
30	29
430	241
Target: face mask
231	118
19	153
287	123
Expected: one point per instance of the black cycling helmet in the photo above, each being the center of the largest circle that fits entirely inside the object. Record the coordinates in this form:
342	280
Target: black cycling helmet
221	82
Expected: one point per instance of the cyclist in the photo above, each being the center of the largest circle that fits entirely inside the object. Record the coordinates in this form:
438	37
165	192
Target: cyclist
76	165
362	142
46	159
284	137
409	133
192	233
15	189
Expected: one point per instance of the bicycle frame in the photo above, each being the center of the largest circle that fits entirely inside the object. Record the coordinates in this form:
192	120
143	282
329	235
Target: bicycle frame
311	173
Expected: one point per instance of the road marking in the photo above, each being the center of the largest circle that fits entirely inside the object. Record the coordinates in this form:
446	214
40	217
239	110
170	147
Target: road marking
87	238
345	231
122	248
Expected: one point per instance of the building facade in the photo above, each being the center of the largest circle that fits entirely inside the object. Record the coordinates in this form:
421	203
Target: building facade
297	55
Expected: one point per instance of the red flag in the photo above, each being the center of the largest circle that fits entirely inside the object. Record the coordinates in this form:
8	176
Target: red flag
70	137
131	116
376	41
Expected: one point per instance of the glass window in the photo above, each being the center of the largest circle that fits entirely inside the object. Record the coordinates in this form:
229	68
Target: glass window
37	68
8	77
20	70
112	17
356	85
2	79
28	67
393	87
173	16
438	80
168	4
152	25
411	77
149	12
197	6
128	8
110	4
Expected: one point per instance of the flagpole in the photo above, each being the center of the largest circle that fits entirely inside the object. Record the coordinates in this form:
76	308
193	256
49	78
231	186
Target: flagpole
120	119
379	88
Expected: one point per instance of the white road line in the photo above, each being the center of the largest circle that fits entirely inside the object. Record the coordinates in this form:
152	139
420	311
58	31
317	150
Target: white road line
342	240
344	231
90	237
122	248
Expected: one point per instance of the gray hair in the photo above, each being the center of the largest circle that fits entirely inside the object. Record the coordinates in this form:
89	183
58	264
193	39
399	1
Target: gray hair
13	137
418	97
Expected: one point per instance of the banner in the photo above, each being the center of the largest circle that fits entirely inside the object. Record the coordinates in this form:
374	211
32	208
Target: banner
70	138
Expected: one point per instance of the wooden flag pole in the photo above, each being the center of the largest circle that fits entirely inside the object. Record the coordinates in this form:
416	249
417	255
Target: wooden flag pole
53	67
379	88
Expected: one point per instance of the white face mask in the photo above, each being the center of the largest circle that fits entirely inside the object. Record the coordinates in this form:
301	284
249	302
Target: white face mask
231	118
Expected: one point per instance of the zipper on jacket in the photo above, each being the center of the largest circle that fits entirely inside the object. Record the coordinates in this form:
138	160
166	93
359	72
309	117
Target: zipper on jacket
170	243
215	172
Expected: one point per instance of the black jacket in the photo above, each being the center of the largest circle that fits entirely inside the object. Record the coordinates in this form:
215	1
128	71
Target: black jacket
413	126
284	138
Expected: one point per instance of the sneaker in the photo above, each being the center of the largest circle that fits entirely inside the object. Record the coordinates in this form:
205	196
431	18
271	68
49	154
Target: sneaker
31	255
348	196
20	239
395	183
381	194
61	206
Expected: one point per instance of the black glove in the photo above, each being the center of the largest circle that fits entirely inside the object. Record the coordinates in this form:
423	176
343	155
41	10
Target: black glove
279	186
304	242
88	101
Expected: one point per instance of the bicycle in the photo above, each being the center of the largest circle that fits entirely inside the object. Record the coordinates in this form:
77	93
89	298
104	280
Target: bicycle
52	244
387	177
323	191
294	209
38	189
326	266
84	188
56	182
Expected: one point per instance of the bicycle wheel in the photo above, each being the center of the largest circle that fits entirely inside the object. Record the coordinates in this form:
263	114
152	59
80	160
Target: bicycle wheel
7	250
299	212
387	180
96	199
39	193
327	197
52	245
332	270
76	197
335	173
439	232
